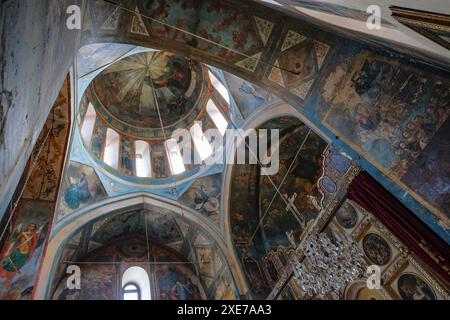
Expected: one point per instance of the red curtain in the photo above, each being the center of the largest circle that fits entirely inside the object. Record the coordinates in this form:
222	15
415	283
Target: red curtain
407	227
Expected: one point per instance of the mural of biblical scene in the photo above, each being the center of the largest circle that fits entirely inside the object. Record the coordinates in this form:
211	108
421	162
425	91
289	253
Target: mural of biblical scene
127	156
177	282
244	220
411	287
98	140
262	221
287	212
204	197
392	112
248	97
22	252
333	82
172	277
110	229
429	175
80	188
100	279
160	165
129	87
220	22
44	179
162	227
24	241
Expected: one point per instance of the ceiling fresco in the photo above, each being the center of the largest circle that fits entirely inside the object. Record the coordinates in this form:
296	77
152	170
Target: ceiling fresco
128	89
178	251
268	213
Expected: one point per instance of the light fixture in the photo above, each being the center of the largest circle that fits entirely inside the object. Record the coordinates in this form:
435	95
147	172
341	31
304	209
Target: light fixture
328	265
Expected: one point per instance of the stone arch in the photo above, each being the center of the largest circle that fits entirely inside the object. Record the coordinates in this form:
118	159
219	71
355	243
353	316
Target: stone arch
63	232
269	112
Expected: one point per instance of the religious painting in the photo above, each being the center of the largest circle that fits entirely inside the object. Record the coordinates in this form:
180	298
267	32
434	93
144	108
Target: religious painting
248	96
23	249
98	139
97	283
160	164
429	175
376	249
286	212
177	282
162	227
389	111
204	196
128	89
333	83
80	188
347	216
411	287
44	179
243	203
118	225
220	22
127	156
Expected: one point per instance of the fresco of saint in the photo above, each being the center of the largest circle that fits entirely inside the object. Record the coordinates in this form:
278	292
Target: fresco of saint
19	252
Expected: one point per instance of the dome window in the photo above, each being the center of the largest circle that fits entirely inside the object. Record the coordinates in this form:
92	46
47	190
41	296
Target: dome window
111	155
88	125
219	87
143	164
217	117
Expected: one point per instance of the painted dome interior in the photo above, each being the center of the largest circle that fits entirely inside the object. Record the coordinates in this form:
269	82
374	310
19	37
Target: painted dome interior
130	110
127	90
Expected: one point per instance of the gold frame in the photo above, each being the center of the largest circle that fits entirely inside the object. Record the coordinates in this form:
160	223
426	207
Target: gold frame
424	22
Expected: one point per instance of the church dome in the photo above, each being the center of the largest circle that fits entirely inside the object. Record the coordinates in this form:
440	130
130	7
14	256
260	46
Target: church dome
137	93
131	109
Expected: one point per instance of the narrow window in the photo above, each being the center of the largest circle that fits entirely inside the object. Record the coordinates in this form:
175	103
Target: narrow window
88	125
219	87
143	164
131	292
175	157
111	155
200	142
217	117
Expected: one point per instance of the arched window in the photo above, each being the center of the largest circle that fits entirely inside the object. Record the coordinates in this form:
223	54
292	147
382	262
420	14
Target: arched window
217	117
200	142
111	155
136	284
131	292
219	86
175	157
143	164
88	124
